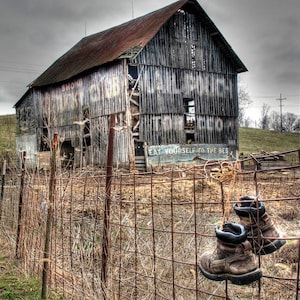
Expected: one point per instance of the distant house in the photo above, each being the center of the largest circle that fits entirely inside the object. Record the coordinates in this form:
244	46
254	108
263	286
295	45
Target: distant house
170	77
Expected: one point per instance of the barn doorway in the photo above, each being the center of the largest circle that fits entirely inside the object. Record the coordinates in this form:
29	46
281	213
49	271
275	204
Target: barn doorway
67	154
139	150
45	142
189	119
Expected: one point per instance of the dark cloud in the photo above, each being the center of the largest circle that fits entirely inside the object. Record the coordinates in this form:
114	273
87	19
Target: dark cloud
34	33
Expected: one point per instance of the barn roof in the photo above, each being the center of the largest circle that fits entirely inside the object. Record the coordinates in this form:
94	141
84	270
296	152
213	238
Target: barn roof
132	36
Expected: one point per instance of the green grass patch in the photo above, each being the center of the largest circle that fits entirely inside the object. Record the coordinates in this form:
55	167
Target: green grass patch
19	287
8	136
14	284
252	140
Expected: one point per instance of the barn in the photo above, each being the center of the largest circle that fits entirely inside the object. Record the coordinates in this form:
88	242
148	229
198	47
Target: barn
169	78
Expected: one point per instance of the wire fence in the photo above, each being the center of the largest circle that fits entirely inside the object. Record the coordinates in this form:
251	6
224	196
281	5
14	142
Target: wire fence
146	244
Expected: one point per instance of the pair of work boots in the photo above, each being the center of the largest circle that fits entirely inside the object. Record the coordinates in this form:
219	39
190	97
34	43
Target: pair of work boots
235	257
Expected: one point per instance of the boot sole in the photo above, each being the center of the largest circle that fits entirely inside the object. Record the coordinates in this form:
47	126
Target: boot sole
272	247
240	279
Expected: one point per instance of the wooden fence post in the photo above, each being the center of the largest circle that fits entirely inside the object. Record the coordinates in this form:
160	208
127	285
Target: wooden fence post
2	187
298	270
20	204
52	186
106	225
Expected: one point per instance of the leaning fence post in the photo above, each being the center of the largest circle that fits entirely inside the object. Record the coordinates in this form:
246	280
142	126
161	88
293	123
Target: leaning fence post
298	272
2	187
105	236
23	157
52	186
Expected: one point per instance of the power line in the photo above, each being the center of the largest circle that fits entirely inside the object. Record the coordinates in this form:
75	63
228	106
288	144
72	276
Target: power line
272	97
20	63
17	70
17	67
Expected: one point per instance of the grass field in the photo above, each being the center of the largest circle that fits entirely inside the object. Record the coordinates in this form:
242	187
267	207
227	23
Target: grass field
14	284
7	135
251	140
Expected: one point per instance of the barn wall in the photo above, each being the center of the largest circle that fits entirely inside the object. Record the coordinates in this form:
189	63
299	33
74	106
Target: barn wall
185	43
163	89
183	61
27	142
94	97
159	129
25	114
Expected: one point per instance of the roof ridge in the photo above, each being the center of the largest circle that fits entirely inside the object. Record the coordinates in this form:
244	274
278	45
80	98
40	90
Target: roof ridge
108	45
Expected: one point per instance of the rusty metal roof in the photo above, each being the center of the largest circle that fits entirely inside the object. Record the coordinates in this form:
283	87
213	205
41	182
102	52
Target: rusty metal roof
111	44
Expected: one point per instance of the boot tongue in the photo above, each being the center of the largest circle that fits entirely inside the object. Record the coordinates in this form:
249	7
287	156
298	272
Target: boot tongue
229	227
248	201
231	233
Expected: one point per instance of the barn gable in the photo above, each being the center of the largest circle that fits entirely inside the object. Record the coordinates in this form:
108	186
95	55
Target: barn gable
126	40
169	76
187	66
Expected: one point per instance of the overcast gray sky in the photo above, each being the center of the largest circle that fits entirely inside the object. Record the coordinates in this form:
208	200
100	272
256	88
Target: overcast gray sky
265	34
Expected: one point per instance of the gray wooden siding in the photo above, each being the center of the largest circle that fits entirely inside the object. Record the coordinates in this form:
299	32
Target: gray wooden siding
25	114
185	43
162	90
182	61
102	93
162	129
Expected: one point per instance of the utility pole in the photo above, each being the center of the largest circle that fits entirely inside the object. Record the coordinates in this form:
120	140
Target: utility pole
281	99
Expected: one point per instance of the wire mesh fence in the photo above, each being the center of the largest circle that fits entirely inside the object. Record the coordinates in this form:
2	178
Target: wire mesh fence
160	223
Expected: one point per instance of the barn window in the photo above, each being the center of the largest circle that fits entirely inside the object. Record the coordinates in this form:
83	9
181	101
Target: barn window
189	113
132	75
86	128
189	119
44	144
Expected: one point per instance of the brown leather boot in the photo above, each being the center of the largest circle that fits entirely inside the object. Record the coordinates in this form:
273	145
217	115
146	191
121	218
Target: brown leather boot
262	233
232	259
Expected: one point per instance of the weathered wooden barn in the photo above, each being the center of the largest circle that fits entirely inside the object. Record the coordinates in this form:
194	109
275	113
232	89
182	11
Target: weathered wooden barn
169	77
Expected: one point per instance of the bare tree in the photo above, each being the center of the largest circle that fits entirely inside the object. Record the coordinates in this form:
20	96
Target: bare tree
247	122
275	121
244	101
288	121
265	119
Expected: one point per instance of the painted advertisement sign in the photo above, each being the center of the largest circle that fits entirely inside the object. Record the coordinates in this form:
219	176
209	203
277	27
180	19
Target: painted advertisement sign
174	153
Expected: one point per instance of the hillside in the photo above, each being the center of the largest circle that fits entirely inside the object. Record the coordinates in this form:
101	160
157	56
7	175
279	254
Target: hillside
251	140
7	136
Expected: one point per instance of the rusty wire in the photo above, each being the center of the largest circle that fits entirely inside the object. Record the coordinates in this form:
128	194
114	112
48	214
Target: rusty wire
160	223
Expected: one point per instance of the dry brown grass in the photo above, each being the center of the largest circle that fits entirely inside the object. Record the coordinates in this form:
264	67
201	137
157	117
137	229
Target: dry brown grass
160	225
